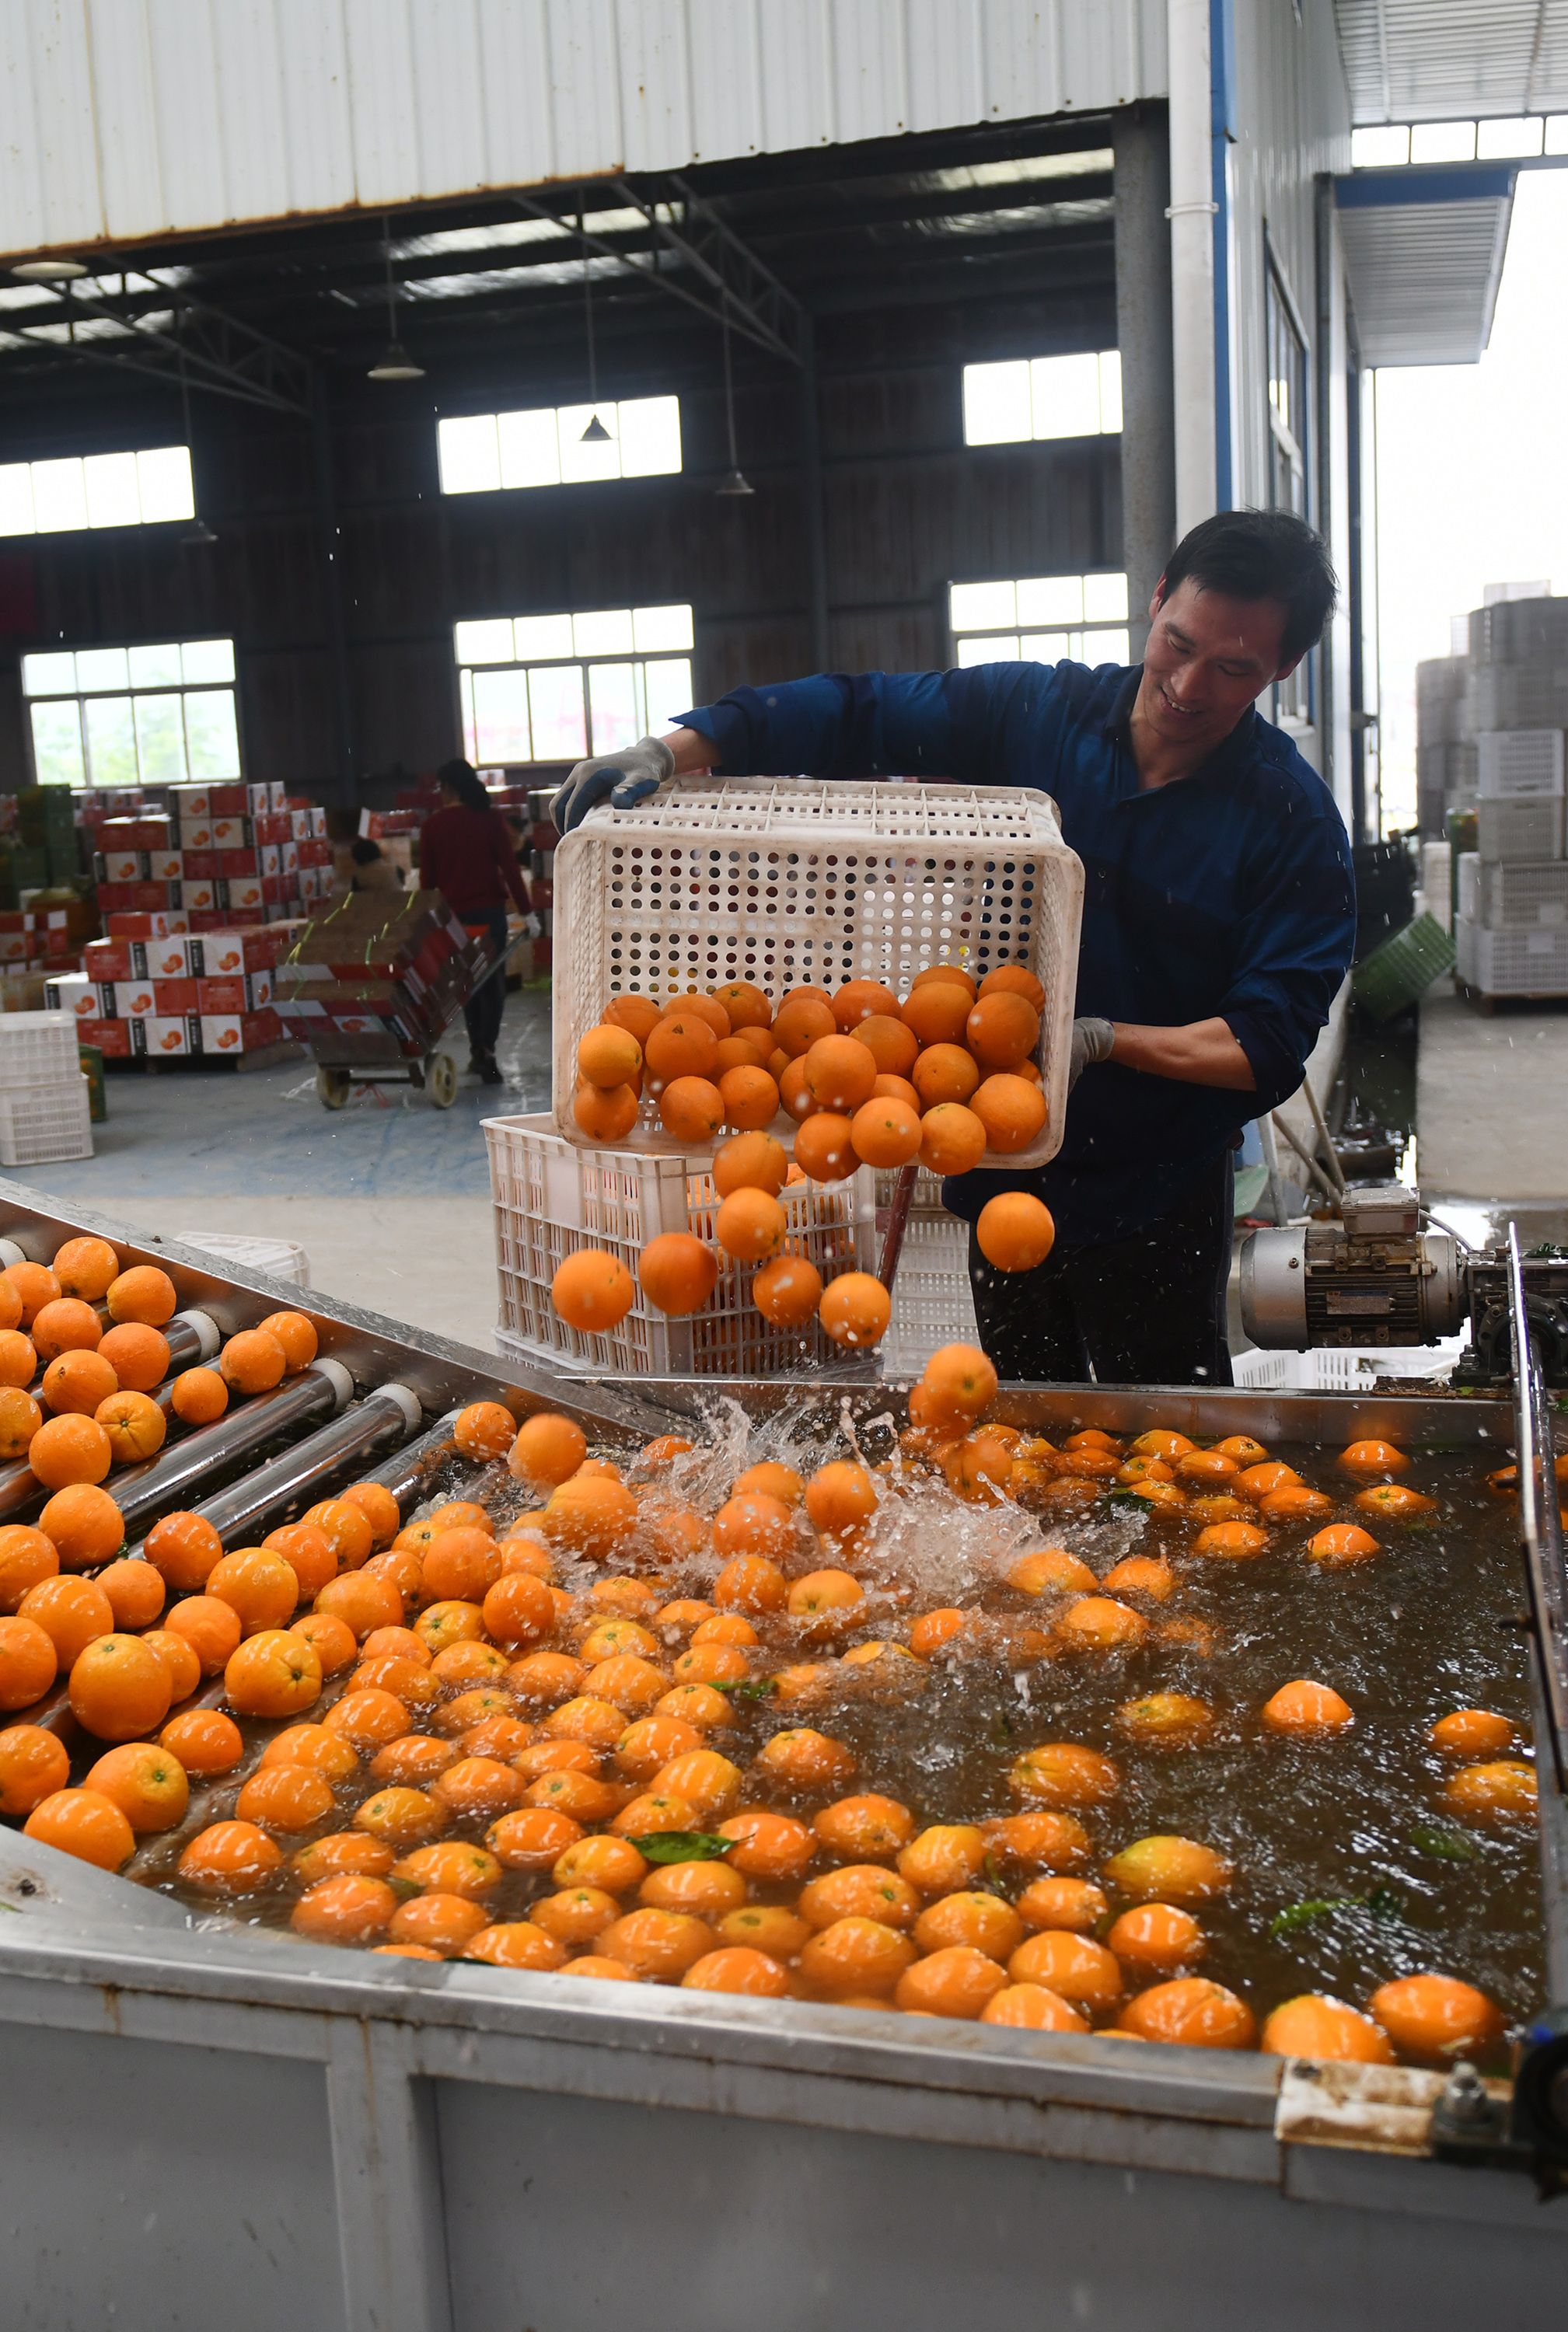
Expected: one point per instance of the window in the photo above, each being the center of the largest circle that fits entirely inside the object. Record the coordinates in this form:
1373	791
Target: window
555	688
1391	145
1288	458
491	452
148	489
1040	619
144	716
1043	396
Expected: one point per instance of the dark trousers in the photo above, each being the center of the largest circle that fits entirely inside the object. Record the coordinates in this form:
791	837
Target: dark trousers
482	1015
1148	1309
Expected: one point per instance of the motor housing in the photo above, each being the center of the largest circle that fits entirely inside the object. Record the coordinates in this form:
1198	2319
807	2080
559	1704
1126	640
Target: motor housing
1375	1278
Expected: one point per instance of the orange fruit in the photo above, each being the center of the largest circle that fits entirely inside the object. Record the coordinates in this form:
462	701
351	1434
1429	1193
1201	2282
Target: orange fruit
118	1687
135	1592
1307	1711
803	1018
66	1326
1142	1574
33	1764
1002	1030
593	1291
548	1447
804	1760
744	1004
1099	1623
85	1824
866	1828
353	1851
822	1592
1011	1110
750	1523
1234	1541
1073	1905
314	1747
1166	1716
856	1955
639	1014
707	1890
401	1817
1168	1870
590	1515
856	1310
478	1789
862	999
896	1089
18	1367
10	1305
749	1581
691	1109
199	1397
748	1095
295	1332
69	1448
683	1044
184	1670
368	1719
707	1008
1429	2016
1013	979
839	1073
1314	2025
87	1268
26	1559
35	1285
955	1980
943	1858
518	1609
460	1565
231	1858
1371	1458
485	1430
1061	1773
787	1291
605	1117
754	1162
377	1505
28	1662
257	1584
72	1612
951	1139
1015	1231
308	1554
1502	1791
348	1909
936	1010
205	1741
213	1630
824	1149
972	1918
944	1072
960	1379
657	1944
1467	1733
85	1525
750	1226
794	1093
143	1294
1032	2007
1193	2013
273	1674
739	1969
548	1679
1293	1503
147	1782
1159	1936
253	1362
608	1055
138	1354
1073	1966
884	1133
1342	1543
840	1496
135	1425
932	1630
893	1047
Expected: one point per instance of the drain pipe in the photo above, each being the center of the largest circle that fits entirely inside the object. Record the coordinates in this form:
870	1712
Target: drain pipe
1192	214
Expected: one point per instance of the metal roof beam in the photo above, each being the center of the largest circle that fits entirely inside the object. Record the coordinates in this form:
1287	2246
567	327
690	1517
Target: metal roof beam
220	355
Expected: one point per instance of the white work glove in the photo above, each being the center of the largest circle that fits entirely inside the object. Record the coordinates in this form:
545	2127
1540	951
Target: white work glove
626	778
534	925
1091	1041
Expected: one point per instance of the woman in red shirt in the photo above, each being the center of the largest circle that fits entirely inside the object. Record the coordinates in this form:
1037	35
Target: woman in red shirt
466	852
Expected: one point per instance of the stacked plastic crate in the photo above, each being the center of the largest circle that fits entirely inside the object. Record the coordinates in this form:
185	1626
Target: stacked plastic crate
45	1104
932	1301
1512	932
1445	738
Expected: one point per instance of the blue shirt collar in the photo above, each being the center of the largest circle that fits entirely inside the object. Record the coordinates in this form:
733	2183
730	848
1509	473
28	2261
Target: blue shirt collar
1230	759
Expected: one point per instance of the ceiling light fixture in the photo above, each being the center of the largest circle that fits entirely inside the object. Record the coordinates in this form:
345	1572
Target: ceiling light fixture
49	271
198	533
395	363
735	481
596	433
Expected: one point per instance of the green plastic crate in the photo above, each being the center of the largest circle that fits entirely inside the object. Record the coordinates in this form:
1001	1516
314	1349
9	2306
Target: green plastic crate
1403	968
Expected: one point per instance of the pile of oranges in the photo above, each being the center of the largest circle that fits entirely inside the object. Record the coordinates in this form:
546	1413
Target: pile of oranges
611	1740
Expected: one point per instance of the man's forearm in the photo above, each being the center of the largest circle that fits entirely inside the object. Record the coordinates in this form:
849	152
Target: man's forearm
1203	1053
693	752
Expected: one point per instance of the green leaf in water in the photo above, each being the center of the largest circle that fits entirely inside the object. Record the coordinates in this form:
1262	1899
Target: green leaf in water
1300	1914
1384	1904
681	1846
1001	1733
1446	1844
757	1688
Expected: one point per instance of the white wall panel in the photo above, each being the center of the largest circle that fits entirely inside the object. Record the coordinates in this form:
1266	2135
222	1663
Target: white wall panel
126	119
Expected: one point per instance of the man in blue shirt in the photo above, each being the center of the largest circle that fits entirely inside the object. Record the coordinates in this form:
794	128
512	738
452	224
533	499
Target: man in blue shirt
1219	921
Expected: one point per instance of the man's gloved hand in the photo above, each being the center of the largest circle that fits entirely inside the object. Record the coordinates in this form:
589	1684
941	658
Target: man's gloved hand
533	924
1091	1041
626	778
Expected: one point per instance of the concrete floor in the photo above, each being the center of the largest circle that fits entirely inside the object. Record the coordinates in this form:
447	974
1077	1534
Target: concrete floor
1492	1111
389	1197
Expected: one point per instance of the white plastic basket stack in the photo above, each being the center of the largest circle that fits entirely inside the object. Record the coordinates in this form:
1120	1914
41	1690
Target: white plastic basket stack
1512	935
44	1107
552	1199
786	882
280	1258
932	1301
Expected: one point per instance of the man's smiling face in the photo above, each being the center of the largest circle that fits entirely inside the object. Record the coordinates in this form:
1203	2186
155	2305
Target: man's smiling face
1207	660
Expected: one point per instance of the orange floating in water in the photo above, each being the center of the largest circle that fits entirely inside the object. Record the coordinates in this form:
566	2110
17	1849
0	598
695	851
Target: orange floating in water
1307	1710
1471	1732
1438	2016
1315	2024
1166	1716
1168	1870
1192	2013
1505	1791
1373	1458
1342	1543
1235	1541
1394	1501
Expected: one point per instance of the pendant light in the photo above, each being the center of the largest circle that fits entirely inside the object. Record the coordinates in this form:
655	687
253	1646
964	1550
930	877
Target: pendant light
198	533
395	364
596	433
735	481
49	271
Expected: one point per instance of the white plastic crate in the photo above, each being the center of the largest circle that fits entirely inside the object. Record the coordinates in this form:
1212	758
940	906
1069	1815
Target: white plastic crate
1517	897
1519	829
281	1258
38	1049
1319	1370
932	1301
787	881
553	1198
42	1123
1511	963
1516	764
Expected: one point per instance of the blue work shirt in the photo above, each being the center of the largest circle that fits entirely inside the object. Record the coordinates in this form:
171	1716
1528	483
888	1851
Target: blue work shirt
1227	893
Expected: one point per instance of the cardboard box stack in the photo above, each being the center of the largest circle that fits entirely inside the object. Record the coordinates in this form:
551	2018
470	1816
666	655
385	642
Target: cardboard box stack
152	989
378	978
222	855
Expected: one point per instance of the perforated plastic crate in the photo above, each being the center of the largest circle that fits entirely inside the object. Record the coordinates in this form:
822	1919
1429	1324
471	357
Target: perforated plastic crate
1517	897
1520	829
1512	963
280	1258
1323	1371
1520	764
932	1301
787	880
42	1123
552	1199
37	1049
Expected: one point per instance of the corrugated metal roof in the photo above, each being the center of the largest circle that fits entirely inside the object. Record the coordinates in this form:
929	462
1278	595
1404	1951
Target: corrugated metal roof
1424	271
1443	60
128	118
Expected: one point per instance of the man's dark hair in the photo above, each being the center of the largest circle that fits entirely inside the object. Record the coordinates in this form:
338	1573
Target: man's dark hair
1253	554
462	779
365	852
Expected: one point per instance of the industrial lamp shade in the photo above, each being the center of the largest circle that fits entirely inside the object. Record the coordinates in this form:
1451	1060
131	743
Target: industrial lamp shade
596	433
395	364
197	535
735	483
49	271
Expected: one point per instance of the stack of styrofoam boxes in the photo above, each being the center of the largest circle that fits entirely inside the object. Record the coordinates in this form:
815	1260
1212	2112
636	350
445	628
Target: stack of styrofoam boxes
220	855
1512	935
46	1112
1445	741
165	995
932	1301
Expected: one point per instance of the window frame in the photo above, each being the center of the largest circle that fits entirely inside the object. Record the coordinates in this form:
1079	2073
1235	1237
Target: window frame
610	405
1293	703
1081	632
633	659
81	697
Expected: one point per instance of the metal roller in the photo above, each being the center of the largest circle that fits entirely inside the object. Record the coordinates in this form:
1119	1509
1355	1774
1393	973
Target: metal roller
408	1474
386	1414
